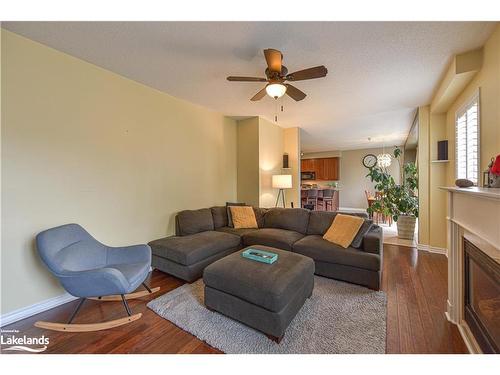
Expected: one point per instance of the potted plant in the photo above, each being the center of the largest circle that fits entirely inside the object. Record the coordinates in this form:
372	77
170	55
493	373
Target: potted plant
397	200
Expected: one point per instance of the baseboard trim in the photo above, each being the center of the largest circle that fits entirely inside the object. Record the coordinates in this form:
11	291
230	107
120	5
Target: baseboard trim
432	249
352	209
28	311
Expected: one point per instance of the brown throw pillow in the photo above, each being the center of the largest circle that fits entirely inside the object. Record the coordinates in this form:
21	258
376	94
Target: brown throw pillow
243	217
343	230
229	218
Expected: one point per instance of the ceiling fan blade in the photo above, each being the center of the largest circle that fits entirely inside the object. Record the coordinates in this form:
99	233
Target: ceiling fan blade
259	95
246	79
294	92
273	59
316	72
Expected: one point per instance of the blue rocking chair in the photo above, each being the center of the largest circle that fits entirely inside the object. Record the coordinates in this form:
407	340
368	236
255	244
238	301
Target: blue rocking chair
89	269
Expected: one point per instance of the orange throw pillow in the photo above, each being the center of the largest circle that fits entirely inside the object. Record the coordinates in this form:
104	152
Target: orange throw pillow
343	230
243	217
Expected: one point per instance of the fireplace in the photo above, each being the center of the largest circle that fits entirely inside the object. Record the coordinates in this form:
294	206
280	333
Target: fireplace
482	297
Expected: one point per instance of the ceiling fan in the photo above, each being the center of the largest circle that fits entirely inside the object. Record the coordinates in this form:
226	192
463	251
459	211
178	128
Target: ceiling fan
277	74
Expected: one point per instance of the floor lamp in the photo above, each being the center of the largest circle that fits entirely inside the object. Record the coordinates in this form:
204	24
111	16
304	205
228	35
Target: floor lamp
281	182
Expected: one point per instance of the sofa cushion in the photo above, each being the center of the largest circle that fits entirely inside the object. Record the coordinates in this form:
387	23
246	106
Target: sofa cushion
239	232
365	228
243	217
343	230
259	215
271	286
280	238
295	219
320	221
315	247
228	211
190	249
194	221
219	216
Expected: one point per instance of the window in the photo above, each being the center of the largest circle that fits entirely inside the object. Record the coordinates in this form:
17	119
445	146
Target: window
467	140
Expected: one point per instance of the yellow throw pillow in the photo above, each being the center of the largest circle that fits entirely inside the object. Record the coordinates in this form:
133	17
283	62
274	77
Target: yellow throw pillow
343	229
243	217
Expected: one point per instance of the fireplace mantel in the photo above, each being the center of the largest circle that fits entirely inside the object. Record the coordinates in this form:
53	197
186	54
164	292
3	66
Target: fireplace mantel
474	214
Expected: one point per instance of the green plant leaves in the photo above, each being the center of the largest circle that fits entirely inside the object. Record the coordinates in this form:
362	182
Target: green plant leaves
395	199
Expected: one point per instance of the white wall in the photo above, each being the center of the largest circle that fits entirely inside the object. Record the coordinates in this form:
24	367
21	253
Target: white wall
82	144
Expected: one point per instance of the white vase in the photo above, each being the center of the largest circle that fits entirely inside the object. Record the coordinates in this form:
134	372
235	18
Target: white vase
406	227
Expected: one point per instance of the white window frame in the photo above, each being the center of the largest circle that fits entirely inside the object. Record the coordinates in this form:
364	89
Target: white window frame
475	97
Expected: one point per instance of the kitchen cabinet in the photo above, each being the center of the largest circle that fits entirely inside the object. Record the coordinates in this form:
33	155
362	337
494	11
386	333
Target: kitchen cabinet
326	169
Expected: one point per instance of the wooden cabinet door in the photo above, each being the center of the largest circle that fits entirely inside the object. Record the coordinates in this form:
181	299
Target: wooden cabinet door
307	165
319	165
331	169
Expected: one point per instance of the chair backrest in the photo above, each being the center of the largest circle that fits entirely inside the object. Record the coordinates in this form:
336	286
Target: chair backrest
70	248
328	193
312	193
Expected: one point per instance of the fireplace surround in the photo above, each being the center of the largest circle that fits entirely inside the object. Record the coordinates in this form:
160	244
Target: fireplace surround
482	297
473	247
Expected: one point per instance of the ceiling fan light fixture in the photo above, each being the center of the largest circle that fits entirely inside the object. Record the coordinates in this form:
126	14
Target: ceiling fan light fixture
276	90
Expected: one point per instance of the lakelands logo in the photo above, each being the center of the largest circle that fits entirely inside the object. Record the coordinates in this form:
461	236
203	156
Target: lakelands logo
22	343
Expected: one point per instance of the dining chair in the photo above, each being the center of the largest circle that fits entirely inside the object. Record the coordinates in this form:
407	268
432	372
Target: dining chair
312	198
327	198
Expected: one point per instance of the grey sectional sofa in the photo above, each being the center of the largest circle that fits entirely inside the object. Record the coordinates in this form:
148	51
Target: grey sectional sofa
203	236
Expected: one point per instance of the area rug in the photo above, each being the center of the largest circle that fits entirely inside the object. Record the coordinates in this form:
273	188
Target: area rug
337	318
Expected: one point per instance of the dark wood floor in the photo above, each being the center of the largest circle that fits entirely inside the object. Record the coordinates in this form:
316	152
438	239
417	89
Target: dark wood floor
415	283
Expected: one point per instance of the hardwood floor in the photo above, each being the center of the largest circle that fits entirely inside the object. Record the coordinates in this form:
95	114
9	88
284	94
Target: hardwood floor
415	283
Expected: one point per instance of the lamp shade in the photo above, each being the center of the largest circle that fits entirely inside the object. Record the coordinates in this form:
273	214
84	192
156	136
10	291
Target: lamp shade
282	181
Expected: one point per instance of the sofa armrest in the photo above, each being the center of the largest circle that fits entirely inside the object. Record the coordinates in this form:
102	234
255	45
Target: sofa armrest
373	240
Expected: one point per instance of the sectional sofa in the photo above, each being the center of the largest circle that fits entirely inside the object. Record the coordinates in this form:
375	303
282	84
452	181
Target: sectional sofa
204	236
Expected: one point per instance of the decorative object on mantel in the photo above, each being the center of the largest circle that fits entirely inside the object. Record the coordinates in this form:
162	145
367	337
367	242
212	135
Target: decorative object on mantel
491	177
398	201
464	183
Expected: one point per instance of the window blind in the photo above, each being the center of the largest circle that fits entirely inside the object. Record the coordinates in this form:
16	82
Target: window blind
467	141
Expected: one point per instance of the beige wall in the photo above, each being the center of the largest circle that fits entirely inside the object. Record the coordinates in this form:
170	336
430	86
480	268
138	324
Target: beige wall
423	175
488	81
353	181
261	145
270	160
248	161
433	204
82	144
291	146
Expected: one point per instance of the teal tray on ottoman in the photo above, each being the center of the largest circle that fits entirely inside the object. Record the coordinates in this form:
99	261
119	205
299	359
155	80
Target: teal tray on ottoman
263	296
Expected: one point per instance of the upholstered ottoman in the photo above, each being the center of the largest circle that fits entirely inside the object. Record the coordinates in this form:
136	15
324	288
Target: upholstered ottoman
263	296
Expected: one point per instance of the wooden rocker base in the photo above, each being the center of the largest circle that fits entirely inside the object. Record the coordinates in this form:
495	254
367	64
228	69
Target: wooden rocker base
90	327
138	294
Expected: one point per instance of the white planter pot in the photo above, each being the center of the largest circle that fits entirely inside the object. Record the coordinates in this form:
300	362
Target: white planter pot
406	227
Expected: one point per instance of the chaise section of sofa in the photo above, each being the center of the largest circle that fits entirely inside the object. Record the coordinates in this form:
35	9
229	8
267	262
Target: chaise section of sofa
361	265
195	245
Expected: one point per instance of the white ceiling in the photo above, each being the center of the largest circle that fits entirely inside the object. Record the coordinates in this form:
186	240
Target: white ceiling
379	72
